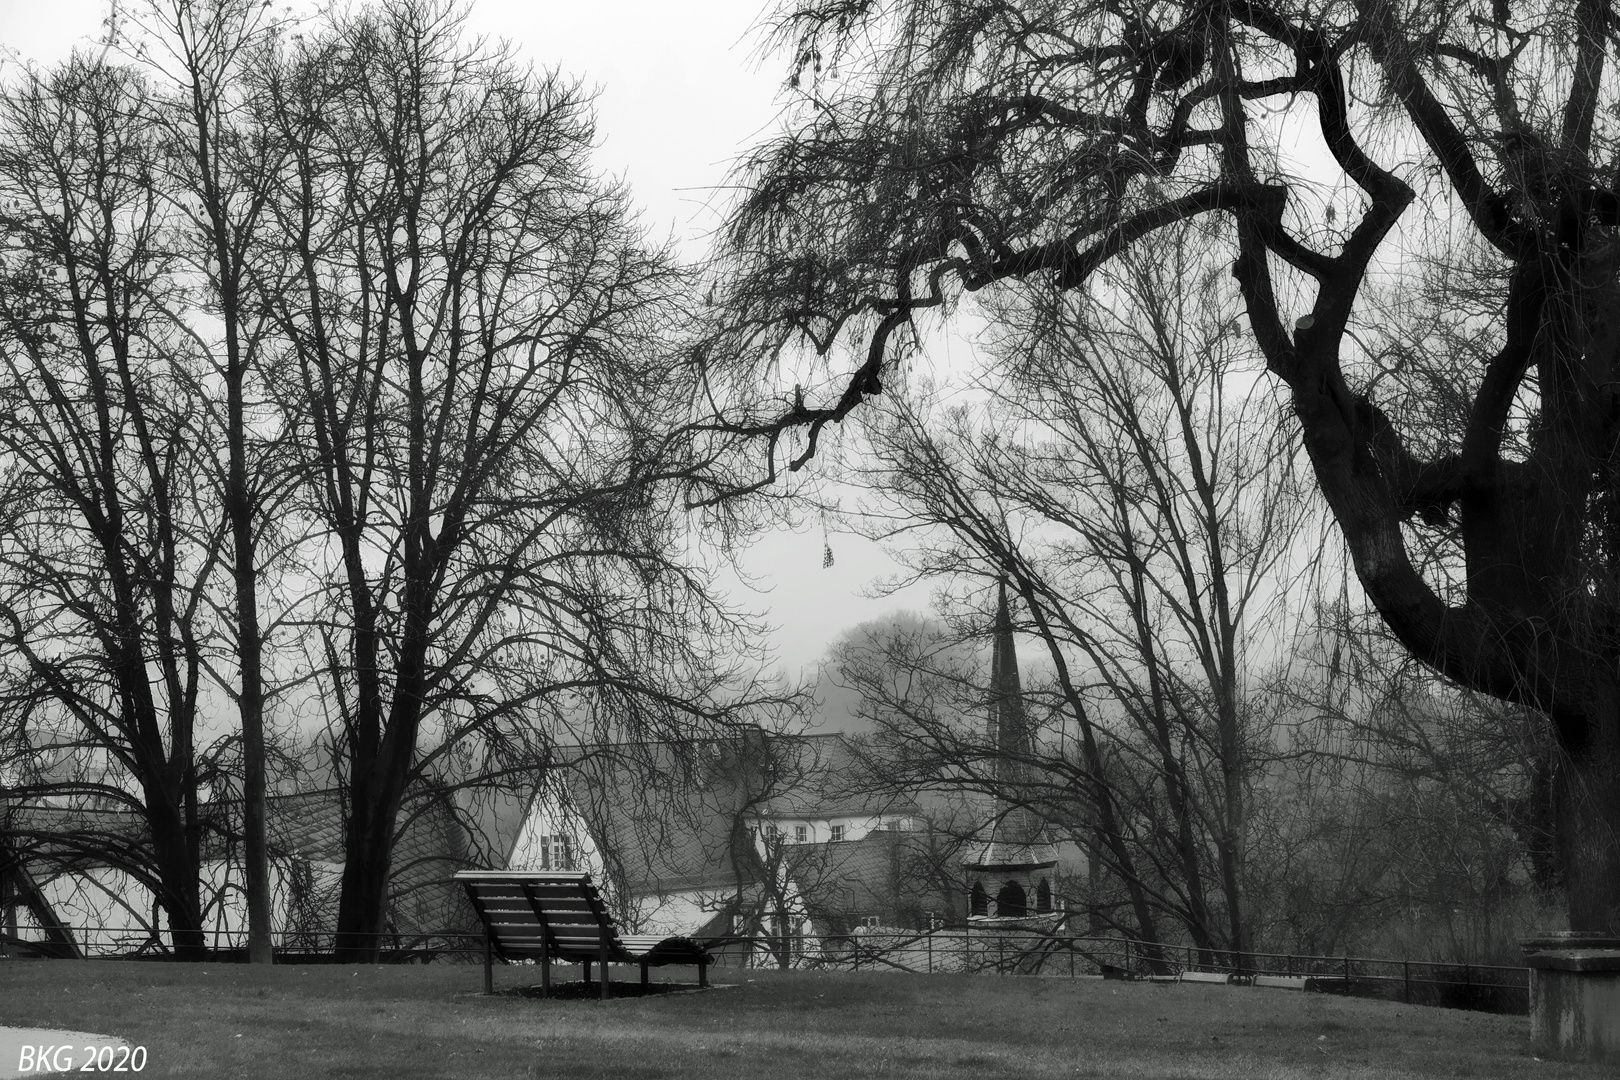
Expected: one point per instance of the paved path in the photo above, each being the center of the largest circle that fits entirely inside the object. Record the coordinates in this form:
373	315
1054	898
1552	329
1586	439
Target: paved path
20	1047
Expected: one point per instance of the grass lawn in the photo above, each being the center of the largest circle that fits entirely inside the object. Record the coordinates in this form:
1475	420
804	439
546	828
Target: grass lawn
215	1020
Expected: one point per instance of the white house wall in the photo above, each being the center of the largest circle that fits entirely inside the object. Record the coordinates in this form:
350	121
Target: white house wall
106	910
819	830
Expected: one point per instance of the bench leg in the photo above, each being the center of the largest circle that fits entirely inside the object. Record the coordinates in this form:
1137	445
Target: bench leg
703	974
602	961
489	964
587	964
545	975
644	974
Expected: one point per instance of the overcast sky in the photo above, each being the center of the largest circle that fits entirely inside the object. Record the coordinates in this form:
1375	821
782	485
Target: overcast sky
682	93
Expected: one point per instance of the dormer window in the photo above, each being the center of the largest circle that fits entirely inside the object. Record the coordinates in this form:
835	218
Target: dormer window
800	834
556	853
837	833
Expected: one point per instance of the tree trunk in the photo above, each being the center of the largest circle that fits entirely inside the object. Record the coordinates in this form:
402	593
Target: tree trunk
1232	844
180	876
249	651
207	40
1094	919
376	790
367	866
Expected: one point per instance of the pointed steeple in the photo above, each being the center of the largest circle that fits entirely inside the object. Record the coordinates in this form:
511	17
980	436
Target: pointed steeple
1015	833
1007	727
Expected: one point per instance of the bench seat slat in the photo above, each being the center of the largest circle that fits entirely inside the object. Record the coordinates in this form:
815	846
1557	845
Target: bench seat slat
571	897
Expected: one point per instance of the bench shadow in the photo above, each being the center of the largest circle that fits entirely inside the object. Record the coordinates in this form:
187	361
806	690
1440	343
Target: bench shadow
582	991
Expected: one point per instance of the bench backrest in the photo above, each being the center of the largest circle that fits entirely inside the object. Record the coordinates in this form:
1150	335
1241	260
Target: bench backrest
526	911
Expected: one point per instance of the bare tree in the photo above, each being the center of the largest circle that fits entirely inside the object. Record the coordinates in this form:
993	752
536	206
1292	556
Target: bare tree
109	552
479	382
215	176
1129	480
947	148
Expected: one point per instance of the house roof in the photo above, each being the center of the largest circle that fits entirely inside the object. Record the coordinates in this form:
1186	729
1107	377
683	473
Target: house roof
68	835
872	875
661	829
837	777
435	837
674	818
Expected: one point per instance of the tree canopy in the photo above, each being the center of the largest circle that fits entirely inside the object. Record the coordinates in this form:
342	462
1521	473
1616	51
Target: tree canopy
1417	203
336	385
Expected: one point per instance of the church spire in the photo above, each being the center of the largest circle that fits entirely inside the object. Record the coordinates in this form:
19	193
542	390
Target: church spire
1015	833
1008	729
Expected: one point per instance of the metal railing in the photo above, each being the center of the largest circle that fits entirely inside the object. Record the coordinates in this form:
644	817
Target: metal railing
961	950
296	946
996	951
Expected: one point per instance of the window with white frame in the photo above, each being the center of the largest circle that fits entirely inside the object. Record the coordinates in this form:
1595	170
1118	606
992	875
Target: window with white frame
801	833
556	853
837	833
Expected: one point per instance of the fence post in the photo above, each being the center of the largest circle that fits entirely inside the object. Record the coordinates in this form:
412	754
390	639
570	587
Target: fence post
930	952
1001	955
1406	981
1347	970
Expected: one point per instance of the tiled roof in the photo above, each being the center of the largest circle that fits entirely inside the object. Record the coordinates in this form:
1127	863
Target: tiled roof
878	873
309	824
836	778
658	834
998	853
64	832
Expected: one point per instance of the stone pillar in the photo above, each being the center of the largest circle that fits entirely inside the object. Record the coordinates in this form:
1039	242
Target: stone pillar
1575	995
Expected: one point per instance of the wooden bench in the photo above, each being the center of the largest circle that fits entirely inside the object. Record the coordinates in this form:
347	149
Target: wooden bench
533	915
